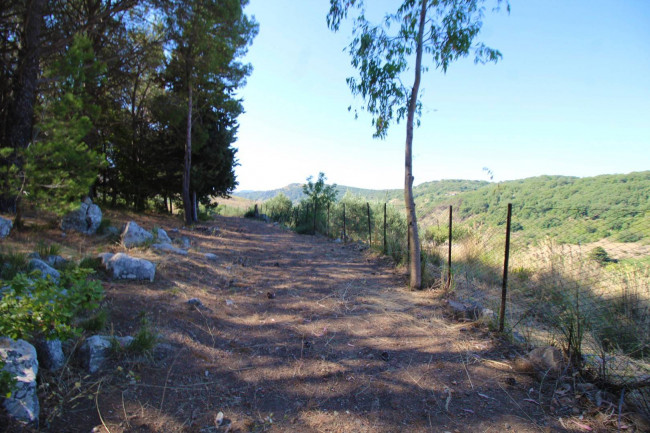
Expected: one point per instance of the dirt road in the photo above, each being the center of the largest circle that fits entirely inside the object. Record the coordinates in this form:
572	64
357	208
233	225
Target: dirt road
293	334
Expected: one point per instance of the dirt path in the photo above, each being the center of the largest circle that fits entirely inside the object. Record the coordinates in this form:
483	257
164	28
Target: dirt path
295	334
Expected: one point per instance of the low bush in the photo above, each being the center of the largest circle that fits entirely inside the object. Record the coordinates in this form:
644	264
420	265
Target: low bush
45	250
12	264
250	213
7	381
33	306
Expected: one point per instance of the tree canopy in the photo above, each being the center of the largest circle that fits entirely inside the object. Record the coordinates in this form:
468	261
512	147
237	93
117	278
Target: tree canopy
94	100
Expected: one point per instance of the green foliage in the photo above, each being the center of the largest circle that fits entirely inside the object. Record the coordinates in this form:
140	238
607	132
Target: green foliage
7	382
92	263
279	208
382	52
439	235
318	193
143	341
45	250
33	306
12	264
95	322
104	225
59	166
600	256
250	213
572	210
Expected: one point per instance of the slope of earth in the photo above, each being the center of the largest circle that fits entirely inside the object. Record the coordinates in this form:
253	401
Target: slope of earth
293	334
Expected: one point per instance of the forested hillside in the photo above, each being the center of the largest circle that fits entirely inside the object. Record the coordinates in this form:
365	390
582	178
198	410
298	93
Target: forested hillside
613	204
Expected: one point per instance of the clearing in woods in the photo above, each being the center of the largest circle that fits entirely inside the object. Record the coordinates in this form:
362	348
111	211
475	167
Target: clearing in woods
294	334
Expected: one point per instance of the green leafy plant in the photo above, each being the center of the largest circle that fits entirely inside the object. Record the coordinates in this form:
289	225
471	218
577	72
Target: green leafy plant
12	264
7	381
45	250
32	306
103	226
94	323
600	256
250	213
92	263
143	341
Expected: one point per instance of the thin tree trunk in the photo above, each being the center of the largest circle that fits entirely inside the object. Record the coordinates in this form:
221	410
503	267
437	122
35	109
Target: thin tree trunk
195	208
187	200
415	280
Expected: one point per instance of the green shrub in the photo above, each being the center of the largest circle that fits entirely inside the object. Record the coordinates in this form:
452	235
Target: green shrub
439	235
600	256
32	306
7	381
143	341
250	213
92	263
305	228
95	322
45	250
630	237
279	208
12	264
103	226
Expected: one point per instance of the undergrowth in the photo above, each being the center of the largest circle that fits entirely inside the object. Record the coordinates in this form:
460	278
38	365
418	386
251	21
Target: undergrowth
36	307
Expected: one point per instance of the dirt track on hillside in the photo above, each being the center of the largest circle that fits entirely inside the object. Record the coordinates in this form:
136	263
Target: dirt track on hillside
294	334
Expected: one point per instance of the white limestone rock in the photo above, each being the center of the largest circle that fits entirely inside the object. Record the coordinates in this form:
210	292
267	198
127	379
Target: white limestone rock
21	362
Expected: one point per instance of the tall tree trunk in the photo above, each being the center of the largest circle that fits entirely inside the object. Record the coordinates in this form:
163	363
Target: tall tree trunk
187	199
415	265
21	115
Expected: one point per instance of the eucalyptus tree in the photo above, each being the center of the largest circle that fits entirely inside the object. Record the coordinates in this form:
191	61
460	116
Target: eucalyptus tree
206	39
420	34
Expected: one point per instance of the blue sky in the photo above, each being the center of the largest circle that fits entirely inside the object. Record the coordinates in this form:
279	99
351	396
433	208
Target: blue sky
571	96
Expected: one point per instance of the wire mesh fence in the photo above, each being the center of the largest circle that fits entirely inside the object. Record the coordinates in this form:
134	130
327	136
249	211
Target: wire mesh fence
578	278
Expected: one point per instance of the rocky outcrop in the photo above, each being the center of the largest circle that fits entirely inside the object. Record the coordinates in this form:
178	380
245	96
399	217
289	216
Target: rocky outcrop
185	242
548	359
161	236
168	248
45	269
21	362
5	227
56	261
469	312
86	219
135	236
125	267
50	354
96	350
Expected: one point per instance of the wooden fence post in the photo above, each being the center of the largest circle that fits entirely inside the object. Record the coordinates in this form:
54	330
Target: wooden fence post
449	253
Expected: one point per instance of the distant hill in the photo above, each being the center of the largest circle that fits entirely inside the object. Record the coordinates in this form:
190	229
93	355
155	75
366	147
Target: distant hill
426	192
294	192
615	205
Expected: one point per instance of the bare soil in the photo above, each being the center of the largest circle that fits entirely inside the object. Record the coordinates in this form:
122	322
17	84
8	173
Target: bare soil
294	333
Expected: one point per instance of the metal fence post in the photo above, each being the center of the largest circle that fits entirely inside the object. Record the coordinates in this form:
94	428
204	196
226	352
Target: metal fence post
345	236
385	249
449	252
369	229
502	312
315	210
328	220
